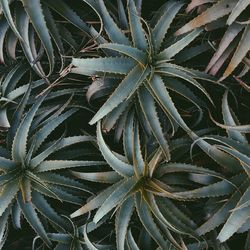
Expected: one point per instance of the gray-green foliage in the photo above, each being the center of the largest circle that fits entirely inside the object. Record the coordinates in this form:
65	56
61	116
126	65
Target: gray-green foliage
93	94
145	63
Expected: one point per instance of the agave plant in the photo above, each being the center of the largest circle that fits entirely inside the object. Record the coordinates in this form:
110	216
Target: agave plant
232	153
230	42
142	183
28	174
146	65
16	27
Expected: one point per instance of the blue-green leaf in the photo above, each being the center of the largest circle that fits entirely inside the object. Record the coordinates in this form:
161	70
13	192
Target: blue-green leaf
148	107
123	217
114	32
33	219
20	140
118	196
137	32
125	89
97	66
166	16
114	162
34	10
128	51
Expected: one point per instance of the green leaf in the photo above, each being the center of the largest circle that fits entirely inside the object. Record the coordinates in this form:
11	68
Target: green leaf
61	246
16	214
148	107
217	155
122	15
114	162
22	90
138	161
89	244
34	10
243	148
217	189
66	12
96	201
157	213
56	179
236	219
17	116
22	24
162	96
60	237
44	154
113	31
20	140
223	213
123	217
12	78
112	118
247	244
191	52
54	32
175	48
51	165
165	18
7	165
47	129
102	177
4	227
4	122
118	196
131	242
137	32
125	90
4	4
243	159
183	167
175	215
230	121
173	70
97	66
3	29
56	192
47	211
25	187
134	53
33	219
7	194
11	44
181	89
148	222
127	138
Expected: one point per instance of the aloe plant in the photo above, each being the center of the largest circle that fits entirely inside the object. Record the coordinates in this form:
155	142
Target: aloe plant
232	153
146	66
229	43
164	161
28	174
40	14
11	90
140	183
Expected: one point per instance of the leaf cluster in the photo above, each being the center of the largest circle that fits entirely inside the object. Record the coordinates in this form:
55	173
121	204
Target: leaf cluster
121	126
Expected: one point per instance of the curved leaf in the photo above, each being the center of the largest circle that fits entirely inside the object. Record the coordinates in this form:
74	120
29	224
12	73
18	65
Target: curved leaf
34	10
